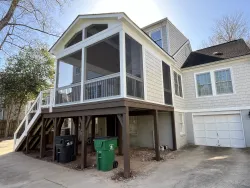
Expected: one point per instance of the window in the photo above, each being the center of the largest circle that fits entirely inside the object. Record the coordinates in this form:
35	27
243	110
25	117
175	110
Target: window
1	114
75	39
204	85
167	83
182	124
177	84
157	37
134	67
133	125
94	29
78	70
223	81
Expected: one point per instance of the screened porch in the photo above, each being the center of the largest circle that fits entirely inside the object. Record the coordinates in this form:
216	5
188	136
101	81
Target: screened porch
98	71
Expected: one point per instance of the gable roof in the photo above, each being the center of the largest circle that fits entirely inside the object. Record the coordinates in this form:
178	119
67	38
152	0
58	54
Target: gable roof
112	14
227	50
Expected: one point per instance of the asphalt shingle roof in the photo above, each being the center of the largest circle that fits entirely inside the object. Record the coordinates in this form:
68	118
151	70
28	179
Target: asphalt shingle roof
228	50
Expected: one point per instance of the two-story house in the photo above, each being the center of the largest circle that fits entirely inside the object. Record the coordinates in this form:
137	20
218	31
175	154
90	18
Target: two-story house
143	85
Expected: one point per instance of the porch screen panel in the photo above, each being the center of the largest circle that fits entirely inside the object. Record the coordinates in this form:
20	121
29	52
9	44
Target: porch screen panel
167	84
134	71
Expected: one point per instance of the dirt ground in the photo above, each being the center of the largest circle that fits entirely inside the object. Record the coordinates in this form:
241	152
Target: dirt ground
6	146
141	160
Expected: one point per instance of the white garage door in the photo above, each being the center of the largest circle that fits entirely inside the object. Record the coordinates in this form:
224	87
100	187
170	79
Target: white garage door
224	130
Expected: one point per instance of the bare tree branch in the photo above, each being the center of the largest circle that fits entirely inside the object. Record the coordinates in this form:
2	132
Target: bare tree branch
9	14
228	28
36	29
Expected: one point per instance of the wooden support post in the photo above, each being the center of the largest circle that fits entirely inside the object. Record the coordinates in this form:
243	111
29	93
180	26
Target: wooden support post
54	139
93	133
156	136
84	144
42	140
173	131
27	143
76	123
126	142
119	126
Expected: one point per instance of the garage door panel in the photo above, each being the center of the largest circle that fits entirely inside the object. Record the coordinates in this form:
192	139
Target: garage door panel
200	134
234	118
212	141
221	119
223	134
198	119
222	126
225	142
211	134
210	126
235	126
200	141
223	130
237	143
199	126
209	119
237	134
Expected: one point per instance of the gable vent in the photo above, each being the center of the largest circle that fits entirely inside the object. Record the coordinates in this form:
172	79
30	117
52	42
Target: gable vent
217	53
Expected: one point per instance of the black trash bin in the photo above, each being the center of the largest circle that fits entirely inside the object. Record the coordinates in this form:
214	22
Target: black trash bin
65	148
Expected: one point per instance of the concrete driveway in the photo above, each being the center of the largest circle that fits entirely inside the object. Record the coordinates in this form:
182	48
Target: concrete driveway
192	167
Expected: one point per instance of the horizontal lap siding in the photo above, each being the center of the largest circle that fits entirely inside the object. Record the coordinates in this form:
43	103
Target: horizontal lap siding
241	78
182	55
176	38
154	85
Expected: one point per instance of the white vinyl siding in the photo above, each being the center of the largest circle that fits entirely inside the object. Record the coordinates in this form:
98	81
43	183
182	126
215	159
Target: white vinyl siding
154	85
223	81
204	84
178	85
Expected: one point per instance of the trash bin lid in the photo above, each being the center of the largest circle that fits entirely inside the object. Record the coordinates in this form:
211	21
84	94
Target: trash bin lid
105	138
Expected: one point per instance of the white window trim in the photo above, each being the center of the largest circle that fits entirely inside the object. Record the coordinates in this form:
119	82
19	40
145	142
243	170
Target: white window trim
213	83
157	29
178	74
182	132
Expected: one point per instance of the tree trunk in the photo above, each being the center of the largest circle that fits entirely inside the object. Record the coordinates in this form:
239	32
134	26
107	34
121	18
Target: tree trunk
8	119
5	20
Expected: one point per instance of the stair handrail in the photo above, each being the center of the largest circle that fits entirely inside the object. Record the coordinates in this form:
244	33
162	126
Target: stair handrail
37	101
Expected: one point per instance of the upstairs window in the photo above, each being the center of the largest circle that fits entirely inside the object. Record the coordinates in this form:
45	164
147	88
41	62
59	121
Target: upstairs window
204	85
223	81
157	37
94	29
75	39
178	85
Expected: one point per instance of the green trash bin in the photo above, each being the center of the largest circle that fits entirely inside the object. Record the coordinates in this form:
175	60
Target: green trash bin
105	153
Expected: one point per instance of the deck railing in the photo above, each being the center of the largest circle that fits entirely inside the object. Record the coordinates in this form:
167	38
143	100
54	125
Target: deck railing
105	86
67	94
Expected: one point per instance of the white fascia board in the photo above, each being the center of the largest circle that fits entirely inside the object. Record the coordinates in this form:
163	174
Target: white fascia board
90	16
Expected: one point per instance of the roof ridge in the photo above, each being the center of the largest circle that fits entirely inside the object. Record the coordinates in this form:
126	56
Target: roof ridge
219	44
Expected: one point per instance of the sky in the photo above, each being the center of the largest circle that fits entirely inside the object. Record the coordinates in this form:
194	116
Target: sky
194	18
